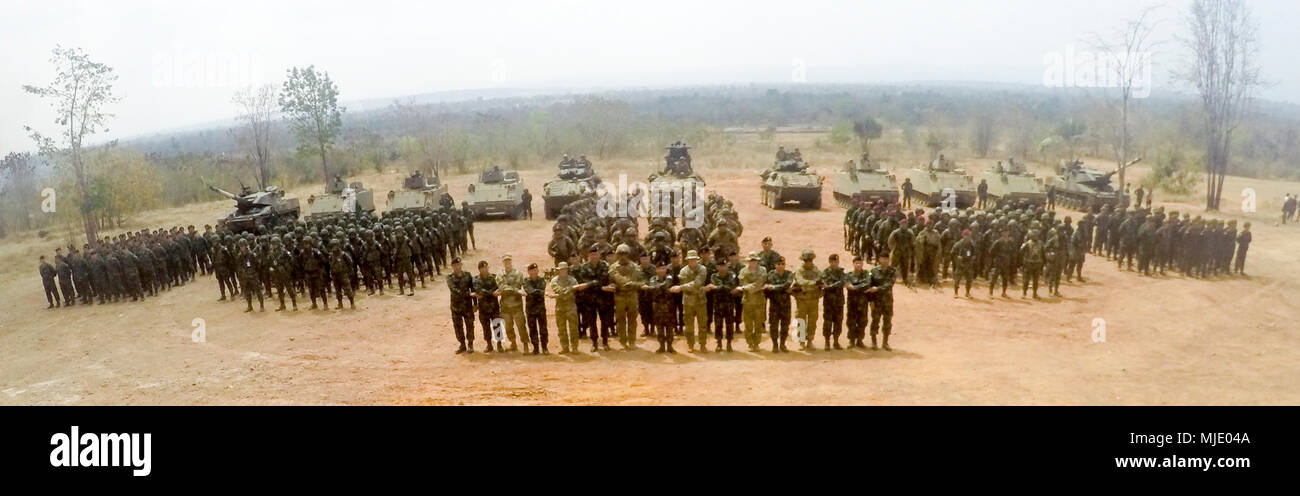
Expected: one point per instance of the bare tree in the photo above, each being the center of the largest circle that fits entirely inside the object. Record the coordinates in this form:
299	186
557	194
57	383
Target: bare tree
256	107
1126	56
1223	44
80	90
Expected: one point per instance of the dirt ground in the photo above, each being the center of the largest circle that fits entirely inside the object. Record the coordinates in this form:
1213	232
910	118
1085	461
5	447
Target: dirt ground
1169	340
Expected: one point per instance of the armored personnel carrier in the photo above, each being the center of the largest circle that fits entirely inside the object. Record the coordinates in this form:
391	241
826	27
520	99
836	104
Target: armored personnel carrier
942	182
418	193
257	211
1083	188
575	180
1012	180
790	181
864	180
497	193
341	199
669	185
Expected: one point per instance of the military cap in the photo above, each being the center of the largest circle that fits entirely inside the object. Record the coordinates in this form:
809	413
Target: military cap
623	248
692	255
807	254
753	256
562	266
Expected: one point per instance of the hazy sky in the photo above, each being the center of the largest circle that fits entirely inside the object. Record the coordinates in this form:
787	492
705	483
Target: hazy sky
180	61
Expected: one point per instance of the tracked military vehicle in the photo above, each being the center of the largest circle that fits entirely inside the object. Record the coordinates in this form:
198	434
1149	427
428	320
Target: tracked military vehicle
497	194
1013	181
942	183
418	193
1083	188
790	180
575	180
864	180
257	211
340	200
670	185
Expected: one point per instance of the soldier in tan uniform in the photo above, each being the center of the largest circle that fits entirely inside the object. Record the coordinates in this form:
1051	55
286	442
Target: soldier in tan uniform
753	302
626	278
807	295
511	291
563	287
693	278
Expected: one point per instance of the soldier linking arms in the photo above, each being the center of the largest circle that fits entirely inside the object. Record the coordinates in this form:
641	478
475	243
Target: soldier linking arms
724	285
780	283
832	282
882	294
485	295
662	316
511	292
535	310
691	286
564	288
807	292
461	286
750	284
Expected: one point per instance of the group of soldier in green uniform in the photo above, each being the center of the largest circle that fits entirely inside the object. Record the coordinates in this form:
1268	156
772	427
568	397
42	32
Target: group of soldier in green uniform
334	256
1014	238
134	265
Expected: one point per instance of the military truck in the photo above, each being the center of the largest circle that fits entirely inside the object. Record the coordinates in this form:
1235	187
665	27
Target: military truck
942	183
790	180
418	193
1083	188
575	180
864	180
341	199
257	211
1013	181
670	184
498	193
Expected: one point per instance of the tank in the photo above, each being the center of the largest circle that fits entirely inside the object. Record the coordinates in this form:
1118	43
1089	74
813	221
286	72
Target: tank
790	181
419	193
341	199
257	211
670	184
933	184
1083	188
575	180
498	193
864	180
1012	180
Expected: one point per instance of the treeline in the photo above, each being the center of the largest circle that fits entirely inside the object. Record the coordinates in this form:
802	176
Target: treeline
917	122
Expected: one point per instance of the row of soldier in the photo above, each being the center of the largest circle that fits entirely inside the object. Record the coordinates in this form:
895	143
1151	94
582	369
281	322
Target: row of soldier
1016	238
134	265
702	296
318	259
580	227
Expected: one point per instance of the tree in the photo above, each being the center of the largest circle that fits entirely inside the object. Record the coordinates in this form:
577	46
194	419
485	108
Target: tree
79	92
17	189
1126	53
1223	45
867	129
256	107
309	101
1068	134
983	133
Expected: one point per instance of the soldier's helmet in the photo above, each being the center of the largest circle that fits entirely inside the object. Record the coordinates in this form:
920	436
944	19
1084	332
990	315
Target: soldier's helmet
807	255
623	249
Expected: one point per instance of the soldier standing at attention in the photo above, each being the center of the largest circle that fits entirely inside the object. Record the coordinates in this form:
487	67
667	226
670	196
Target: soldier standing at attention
47	279
341	266
626	280
527	200
644	300
313	265
248	266
1031	262
724	286
469	223
832	302
662	317
907	193
1002	251
750	285
64	269
882	294
535	309
461	286
780	283
281	278
485	297
983	191
691	283
857	282
963	257
1243	244
807	291
563	289
511	292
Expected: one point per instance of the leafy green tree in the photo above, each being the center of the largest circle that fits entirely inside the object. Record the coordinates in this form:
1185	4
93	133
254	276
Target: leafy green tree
867	129
309	101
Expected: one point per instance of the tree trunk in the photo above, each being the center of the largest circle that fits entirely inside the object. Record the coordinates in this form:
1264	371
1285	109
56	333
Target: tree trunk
323	164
